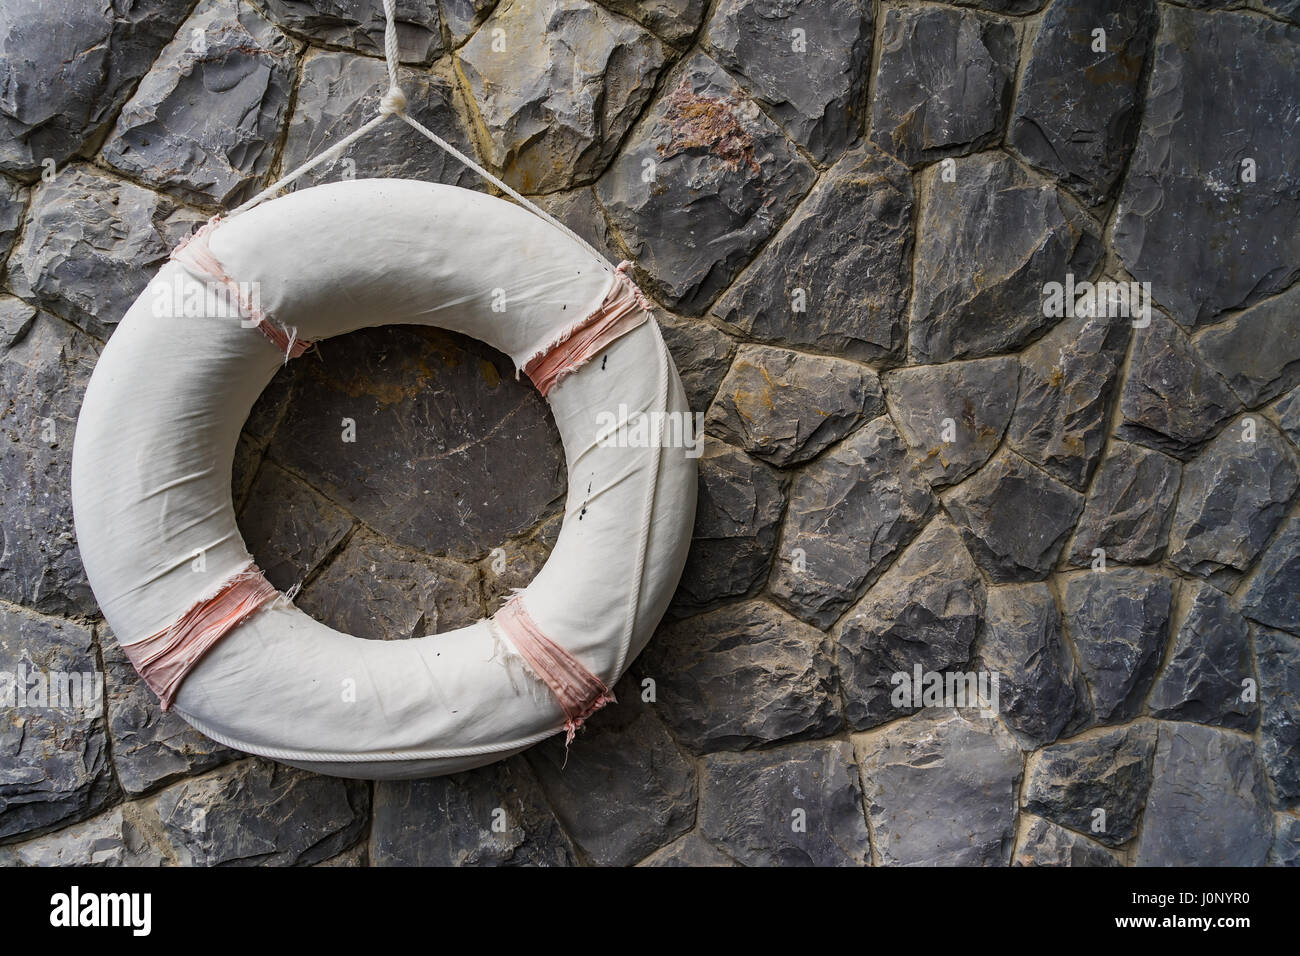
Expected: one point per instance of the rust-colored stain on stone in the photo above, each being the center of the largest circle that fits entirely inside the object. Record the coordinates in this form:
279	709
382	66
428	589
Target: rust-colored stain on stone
709	123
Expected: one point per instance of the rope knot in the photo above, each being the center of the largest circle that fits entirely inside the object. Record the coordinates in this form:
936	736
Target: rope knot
392	102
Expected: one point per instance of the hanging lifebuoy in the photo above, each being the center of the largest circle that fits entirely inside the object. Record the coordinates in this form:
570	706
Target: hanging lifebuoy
156	439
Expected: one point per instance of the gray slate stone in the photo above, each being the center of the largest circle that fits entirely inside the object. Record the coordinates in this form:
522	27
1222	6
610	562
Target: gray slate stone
691	850
13	201
1046	844
796	806
1067	380
288	527
1286	842
1040	690
1119	622
339	92
737	514
924	611
814	84
56	765
91	244
258	813
836	277
359	25
943	83
493	816
463	17
67	66
205	120
580	210
1278	655
1172	400
111	839
1273	595
1077	108
721	178
742	676
1021	231
974	398
441	425
941	791
1233	497
557	87
16	319
1111	772
1207	667
1208	805
1205	240
1257	351
1129	507
850	512
43	375
701	353
673	20
787	407
1013	518
1287	411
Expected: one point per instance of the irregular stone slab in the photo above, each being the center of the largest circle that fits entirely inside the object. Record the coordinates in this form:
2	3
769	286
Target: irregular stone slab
557	86
43	375
837	275
494	816
1208	805
1278	655
1172	400
1258	351
1067	380
743	675
205	121
1119	621
1040	689
513	564
702	182
941	791
374	591
850	512
1013	7
737	514
1021	231
1129	507
924	612
151	746
288	527
1233	496
56	768
90	246
1096	784
1077	107
111	839
1288	415
1286	842
439	425
258	813
13	200
622	789
463	17
1046	844
953	416
1273	595
787	407
690	850
359	25
581	211
673	20
1187	222
943	83
701	353
1209	669
806	61
339	92
1013	518
16	319
796	806
67	67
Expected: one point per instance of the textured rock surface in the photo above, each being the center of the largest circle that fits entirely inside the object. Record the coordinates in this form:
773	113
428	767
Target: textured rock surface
1021	231
1257	351
289	528
941	789
1273	595
111	839
673	20
1046	844
1279	690
1129	507
359	24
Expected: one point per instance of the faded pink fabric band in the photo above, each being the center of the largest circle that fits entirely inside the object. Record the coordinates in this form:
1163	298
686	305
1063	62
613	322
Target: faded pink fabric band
164	659
624	309
196	255
580	692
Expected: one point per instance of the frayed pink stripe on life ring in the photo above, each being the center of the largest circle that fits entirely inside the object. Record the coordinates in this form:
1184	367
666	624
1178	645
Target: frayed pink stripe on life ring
625	308
164	659
580	692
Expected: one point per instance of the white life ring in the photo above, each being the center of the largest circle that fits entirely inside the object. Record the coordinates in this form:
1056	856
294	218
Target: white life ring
156	438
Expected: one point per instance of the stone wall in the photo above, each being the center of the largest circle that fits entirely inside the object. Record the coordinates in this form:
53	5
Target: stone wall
851	213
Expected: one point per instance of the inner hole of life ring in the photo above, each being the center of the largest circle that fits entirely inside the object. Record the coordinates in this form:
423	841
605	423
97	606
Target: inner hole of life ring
399	481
